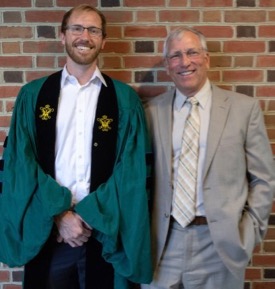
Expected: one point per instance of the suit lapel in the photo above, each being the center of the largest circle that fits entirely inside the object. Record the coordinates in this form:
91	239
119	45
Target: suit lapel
218	116
164	116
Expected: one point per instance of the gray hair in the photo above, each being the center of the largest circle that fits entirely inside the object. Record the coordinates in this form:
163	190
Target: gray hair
178	32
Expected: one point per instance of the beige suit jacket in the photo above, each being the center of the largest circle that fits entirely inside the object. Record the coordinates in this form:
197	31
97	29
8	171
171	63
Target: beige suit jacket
238	182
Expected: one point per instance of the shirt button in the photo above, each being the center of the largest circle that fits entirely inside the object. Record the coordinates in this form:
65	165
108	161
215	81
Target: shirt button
95	144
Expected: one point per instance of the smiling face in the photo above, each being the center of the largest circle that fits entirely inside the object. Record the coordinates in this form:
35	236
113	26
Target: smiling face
188	73
83	49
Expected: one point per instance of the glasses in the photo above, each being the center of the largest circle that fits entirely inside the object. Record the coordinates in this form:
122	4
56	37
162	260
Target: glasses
78	30
191	54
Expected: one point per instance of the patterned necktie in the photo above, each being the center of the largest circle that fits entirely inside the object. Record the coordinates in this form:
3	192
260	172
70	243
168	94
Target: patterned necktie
184	203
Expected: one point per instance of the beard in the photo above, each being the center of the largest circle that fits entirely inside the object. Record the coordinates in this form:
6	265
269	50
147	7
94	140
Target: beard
82	59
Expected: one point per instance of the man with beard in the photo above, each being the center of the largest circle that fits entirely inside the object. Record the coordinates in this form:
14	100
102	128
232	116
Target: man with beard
74	178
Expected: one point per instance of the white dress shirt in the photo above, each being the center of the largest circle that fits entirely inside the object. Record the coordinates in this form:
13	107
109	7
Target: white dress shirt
180	113
74	129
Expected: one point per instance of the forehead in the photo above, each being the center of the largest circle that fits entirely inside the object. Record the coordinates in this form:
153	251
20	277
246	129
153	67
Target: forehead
185	40
85	17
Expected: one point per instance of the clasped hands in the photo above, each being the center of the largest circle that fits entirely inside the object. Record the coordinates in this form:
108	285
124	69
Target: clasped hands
72	229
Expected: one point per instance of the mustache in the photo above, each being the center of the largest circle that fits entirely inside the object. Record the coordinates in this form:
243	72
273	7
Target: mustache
83	43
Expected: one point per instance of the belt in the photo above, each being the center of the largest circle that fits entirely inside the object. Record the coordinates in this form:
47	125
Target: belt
198	221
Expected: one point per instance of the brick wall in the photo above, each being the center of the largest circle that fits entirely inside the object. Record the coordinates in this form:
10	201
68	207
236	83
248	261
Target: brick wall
241	36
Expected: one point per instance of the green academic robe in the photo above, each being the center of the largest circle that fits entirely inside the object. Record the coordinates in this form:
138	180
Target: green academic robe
117	210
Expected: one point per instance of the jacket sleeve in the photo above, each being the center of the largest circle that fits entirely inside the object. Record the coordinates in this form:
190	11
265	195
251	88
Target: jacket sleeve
29	197
260	173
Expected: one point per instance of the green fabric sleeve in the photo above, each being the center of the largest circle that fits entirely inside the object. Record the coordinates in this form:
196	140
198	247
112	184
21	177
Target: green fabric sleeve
29	196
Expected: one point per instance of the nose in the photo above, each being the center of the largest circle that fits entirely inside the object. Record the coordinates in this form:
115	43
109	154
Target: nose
184	59
85	33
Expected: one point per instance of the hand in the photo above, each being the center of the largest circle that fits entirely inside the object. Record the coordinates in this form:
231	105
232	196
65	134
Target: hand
71	229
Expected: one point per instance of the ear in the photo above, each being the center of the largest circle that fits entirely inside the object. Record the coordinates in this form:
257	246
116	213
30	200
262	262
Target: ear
62	37
207	59
103	43
165	64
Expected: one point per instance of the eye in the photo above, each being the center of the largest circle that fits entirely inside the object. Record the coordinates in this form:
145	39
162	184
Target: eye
174	56
192	53
93	31
77	28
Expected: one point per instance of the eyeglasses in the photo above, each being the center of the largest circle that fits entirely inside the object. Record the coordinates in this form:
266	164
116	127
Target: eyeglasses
77	30
191	54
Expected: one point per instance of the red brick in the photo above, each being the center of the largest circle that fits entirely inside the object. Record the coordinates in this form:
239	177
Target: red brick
19	61
61	61
244	46
270	235
267	31
45	61
245	16
9	106
113	62
162	76
211	3
221	61
146	16
4	275
3	135
119	16
243	76
212	16
266	61
264	260
15	32
44	16
71	3
269	247
12	286
5	121
265	90
17	4
267	3
253	273
114	32
43	47
9	91
125	76
117	47
264	285
271	16
144	3
215	76
44	3
177	3
271	104
145	31
216	31
11	47
142	61
244	61
179	15
31	75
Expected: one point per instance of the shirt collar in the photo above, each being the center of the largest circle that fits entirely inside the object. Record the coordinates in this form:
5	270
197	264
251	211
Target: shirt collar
202	96
96	75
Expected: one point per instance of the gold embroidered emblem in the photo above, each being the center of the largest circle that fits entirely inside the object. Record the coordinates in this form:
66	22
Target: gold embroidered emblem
46	110
104	123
